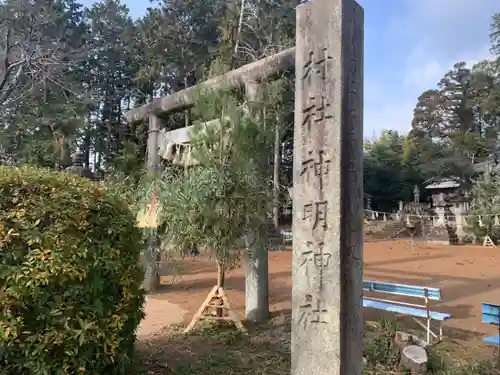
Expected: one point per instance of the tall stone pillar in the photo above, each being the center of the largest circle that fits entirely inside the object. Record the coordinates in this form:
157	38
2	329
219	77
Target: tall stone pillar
328	190
257	267
151	253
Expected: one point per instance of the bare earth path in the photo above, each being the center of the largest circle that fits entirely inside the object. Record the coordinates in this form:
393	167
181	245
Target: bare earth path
467	275
159	313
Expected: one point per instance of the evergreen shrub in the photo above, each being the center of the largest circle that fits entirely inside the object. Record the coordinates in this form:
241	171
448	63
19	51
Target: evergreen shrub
70	277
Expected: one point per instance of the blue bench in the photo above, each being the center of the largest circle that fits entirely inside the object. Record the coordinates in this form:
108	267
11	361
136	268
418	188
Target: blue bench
416	312
491	315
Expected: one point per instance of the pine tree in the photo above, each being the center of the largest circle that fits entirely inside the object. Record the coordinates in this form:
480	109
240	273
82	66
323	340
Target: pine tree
214	204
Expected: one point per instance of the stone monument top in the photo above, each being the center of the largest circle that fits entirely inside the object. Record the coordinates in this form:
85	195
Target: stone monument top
77	167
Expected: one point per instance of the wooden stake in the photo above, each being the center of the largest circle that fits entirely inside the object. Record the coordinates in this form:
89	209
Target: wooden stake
230	311
201	310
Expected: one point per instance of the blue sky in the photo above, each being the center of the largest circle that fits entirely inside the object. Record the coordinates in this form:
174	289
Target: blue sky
409	45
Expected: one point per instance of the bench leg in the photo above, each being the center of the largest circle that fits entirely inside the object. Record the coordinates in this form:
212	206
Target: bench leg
428	331
440	331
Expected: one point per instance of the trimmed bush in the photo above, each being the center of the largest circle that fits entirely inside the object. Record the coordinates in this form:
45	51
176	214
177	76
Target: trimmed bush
69	276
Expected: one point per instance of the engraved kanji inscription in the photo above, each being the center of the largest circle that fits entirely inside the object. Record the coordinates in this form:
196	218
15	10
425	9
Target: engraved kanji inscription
307	211
316	111
316	257
317	164
317	212
312	312
316	64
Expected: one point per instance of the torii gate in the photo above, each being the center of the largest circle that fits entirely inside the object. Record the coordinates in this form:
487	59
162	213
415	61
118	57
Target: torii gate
328	182
249	77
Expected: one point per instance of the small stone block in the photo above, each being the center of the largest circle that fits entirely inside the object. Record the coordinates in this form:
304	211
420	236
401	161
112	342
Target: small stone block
414	359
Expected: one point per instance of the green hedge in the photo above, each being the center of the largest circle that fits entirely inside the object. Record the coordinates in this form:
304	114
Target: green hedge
70	277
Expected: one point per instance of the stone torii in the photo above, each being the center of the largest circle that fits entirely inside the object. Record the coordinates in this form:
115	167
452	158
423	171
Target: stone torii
248	77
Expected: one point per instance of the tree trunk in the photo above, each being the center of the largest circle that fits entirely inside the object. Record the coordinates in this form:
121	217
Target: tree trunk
64	154
221	274
276	178
86	147
221	277
152	258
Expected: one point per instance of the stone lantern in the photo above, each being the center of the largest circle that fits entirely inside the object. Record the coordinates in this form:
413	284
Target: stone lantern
77	166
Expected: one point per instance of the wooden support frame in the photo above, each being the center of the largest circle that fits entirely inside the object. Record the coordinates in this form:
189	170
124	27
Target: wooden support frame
217	299
488	242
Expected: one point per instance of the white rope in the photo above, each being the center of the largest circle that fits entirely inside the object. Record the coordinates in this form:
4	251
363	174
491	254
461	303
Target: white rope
376	214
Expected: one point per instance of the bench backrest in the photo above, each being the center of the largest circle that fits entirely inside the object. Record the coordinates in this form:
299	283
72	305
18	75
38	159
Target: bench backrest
402	290
491	313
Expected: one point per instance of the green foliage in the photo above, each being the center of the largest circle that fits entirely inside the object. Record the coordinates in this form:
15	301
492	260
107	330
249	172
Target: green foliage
127	187
383	356
102	61
214	204
380	350
456	124
50	142
69	276
485	195
390	173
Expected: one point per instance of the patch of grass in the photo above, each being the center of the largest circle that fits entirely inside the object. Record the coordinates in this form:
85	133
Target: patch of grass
222	350
383	357
219	350
473	368
379	350
437	362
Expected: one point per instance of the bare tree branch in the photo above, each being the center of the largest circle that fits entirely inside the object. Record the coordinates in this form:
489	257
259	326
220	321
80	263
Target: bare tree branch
34	51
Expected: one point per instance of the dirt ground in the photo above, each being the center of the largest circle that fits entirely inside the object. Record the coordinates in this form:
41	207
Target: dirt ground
467	275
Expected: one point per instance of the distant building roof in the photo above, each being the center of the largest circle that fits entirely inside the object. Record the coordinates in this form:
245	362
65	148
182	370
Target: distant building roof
442	183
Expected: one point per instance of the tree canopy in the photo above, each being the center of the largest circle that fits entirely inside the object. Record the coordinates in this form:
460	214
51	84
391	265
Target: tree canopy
69	73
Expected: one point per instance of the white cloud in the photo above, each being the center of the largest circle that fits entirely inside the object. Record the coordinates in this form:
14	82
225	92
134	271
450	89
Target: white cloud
423	71
438	34
445	32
